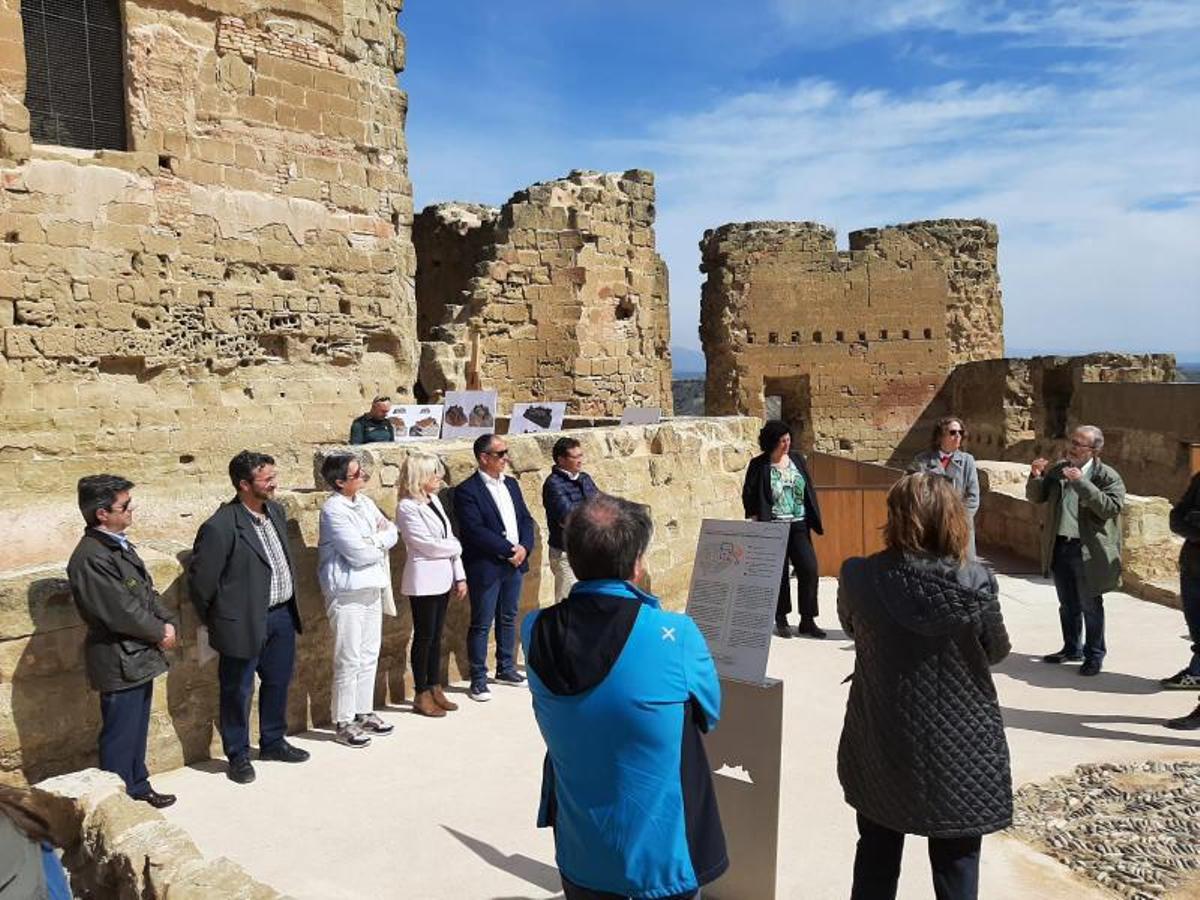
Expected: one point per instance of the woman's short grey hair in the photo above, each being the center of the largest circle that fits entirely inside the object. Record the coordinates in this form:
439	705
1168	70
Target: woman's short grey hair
1094	434
605	536
418	468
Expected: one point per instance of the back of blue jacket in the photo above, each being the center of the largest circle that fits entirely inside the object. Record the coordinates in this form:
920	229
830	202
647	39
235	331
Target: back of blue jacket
622	691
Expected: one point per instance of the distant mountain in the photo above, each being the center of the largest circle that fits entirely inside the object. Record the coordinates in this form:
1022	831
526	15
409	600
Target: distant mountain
686	362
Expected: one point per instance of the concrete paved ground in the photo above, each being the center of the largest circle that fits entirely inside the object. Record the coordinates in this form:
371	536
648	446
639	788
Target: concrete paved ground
444	809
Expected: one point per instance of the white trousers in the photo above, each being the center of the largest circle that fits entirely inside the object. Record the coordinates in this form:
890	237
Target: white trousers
564	577
357	621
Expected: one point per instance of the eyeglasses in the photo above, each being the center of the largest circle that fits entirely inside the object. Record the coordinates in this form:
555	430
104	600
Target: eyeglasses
500	454
364	475
1081	446
955	431
127	506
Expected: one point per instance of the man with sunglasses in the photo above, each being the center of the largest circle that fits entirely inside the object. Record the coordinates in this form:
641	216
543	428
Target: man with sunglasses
496	533
128	628
1081	541
243	584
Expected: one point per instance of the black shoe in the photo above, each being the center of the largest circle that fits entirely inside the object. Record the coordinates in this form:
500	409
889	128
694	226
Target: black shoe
782	628
282	751
510	678
157	800
240	770
1182	681
1062	656
810	629
1190	722
1091	667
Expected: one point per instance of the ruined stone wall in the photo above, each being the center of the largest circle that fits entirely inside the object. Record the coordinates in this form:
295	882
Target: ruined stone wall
856	344
569	301
1016	409
686	470
240	276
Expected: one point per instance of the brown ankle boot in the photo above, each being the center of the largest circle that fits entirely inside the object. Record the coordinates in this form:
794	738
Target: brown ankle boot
424	704
440	698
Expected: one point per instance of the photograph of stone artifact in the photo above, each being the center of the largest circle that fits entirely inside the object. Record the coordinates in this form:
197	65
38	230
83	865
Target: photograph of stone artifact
455	416
426	427
481	417
539	415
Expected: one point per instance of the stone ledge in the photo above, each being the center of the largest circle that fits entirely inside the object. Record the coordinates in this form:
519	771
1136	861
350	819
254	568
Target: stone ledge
118	848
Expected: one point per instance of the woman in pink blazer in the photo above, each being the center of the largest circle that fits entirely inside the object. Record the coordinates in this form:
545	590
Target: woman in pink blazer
433	571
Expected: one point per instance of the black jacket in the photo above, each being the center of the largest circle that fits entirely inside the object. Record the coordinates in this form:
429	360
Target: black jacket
1185	522
923	748
756	491
229	579
123	612
560	495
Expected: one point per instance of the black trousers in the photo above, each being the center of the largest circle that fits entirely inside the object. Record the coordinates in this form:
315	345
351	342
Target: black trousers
955	864
125	717
804	561
273	665
573	891
429	618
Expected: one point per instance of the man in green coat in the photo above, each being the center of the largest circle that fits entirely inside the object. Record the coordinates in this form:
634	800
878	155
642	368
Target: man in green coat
1081	541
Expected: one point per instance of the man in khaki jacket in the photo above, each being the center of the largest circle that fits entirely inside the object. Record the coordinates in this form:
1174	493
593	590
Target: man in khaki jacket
1081	541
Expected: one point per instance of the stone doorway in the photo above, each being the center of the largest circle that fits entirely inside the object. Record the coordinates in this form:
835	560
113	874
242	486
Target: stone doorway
790	399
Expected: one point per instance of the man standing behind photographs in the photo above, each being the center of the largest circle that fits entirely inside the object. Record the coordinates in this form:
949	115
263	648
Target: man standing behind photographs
127	630
496	533
243	586
373	427
565	487
1083	499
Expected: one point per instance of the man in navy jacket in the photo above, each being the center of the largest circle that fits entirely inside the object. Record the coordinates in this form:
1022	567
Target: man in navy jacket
565	488
496	532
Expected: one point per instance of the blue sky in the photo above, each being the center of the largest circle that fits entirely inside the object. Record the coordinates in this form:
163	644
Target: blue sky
1075	126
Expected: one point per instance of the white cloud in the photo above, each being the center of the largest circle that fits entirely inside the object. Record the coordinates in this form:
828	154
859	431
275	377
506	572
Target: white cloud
1093	187
1056	23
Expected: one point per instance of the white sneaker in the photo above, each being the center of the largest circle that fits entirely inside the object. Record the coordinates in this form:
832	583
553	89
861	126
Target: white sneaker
483	695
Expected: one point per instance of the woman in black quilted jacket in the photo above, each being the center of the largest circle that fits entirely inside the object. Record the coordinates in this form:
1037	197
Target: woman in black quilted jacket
923	748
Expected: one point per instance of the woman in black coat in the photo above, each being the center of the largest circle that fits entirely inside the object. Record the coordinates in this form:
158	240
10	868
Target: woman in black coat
778	488
923	748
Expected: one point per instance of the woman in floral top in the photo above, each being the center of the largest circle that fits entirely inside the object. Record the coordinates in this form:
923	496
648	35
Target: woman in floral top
778	488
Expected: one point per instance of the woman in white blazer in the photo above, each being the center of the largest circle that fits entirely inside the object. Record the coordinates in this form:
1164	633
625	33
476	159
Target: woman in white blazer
946	457
356	581
433	570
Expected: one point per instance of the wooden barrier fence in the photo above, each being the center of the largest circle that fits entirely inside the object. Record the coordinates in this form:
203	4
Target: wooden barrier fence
853	498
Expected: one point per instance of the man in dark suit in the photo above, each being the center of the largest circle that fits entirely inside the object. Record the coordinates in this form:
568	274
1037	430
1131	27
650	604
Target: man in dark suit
496	532
128	628
243	586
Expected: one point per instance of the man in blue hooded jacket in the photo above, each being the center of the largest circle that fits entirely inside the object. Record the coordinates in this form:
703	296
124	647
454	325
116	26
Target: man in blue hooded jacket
622	692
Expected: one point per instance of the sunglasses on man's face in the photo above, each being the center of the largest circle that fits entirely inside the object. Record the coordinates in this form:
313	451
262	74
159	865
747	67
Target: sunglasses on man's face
497	453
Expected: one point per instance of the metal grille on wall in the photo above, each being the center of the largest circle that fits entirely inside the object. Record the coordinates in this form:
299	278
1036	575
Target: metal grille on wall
75	72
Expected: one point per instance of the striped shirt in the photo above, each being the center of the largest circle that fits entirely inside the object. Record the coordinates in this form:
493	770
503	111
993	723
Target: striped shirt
281	573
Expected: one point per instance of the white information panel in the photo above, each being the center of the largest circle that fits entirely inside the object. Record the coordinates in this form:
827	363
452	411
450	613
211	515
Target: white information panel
530	417
414	422
469	414
641	415
735	586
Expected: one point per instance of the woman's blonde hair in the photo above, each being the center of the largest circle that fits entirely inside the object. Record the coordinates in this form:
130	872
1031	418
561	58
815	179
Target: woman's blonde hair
418	468
926	516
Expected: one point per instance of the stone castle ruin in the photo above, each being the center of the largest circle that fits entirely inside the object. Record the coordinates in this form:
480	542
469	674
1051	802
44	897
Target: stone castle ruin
559	295
204	271
855	344
223	254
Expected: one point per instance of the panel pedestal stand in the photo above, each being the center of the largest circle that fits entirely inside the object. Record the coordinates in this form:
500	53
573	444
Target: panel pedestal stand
749	737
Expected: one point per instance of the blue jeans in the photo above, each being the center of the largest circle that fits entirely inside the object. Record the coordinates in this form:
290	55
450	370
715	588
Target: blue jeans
236	676
1189	591
497	602
126	723
1079	614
